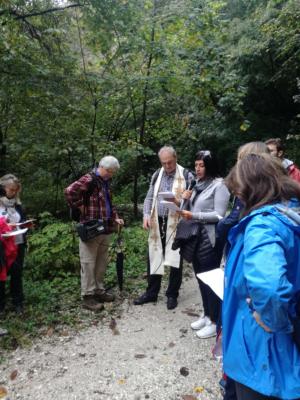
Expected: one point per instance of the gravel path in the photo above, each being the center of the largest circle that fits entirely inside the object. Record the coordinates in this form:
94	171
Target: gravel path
150	353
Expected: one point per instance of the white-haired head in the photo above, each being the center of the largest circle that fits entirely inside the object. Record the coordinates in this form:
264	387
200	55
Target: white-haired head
109	162
167	149
12	186
168	159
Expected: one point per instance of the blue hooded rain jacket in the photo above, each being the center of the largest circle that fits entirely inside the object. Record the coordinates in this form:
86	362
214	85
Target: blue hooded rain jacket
263	265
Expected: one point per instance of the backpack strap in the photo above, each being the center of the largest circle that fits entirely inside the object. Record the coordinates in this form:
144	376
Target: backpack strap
154	177
92	185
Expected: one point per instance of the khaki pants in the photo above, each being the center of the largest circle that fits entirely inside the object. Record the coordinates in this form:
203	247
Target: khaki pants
93	259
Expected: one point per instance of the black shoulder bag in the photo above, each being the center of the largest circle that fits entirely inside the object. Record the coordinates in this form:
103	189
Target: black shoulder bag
93	228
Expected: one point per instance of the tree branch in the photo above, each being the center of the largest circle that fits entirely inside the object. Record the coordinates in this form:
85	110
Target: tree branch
19	16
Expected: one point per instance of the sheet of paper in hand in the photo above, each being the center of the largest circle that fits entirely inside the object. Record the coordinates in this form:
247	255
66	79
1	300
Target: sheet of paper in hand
170	205
27	222
165	195
15	232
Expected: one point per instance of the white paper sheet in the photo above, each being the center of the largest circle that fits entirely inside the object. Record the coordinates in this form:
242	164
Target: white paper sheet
165	195
215	280
170	205
28	221
14	233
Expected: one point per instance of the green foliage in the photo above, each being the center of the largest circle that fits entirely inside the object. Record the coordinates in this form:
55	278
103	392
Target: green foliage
125	77
53	249
52	293
134	247
48	304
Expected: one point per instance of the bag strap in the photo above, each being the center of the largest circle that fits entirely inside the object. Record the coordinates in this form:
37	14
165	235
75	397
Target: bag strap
93	183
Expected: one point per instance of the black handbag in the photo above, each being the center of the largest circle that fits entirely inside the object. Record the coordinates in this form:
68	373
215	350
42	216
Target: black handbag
90	230
186	238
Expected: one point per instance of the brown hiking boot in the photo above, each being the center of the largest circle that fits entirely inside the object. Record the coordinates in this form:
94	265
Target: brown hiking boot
90	303
104	297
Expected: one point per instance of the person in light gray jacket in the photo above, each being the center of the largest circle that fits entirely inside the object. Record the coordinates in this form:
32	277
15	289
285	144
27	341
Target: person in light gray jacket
206	203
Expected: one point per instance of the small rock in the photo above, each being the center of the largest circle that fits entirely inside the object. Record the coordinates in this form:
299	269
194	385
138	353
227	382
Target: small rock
184	371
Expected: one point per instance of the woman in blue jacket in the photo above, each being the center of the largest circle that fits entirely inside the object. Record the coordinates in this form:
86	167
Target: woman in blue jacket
262	278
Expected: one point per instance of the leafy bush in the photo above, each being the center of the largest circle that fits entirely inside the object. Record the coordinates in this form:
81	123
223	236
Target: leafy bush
50	305
134	248
53	249
52	280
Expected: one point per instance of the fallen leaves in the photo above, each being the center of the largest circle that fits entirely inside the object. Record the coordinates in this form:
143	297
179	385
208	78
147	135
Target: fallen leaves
13	375
3	392
198	389
140	356
113	326
190	312
50	332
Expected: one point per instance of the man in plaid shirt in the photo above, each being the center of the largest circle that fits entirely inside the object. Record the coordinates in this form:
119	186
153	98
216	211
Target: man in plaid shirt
94	252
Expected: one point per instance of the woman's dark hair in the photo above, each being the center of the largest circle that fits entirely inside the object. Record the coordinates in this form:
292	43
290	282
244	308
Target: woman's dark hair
210	163
2	191
260	179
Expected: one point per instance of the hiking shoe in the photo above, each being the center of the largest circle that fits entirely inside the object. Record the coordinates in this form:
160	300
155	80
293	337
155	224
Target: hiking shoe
172	303
90	303
143	299
104	297
208	331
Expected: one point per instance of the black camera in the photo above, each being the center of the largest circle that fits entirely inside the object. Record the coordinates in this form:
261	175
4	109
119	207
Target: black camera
91	229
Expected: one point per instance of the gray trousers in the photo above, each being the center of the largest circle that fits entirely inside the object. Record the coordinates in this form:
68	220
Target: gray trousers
93	259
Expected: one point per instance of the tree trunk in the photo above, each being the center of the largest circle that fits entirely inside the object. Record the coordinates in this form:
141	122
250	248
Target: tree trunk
144	116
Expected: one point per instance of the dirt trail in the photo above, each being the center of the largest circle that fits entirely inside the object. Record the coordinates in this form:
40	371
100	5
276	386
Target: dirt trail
151	353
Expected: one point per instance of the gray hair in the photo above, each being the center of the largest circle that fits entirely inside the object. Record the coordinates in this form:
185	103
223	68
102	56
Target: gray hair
109	162
167	149
10	179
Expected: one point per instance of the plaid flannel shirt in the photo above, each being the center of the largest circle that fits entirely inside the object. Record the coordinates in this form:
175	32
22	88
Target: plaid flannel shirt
96	208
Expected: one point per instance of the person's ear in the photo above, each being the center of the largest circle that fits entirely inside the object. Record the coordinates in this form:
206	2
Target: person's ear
280	153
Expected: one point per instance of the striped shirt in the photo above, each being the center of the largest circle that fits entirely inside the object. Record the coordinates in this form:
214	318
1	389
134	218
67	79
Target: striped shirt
166	185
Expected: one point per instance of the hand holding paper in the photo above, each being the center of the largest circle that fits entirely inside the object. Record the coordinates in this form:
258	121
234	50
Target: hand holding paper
26	224
170	205
165	196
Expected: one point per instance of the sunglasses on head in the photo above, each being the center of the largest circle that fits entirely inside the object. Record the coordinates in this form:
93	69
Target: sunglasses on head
205	153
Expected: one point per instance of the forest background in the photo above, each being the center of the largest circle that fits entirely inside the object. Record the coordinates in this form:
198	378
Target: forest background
82	79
